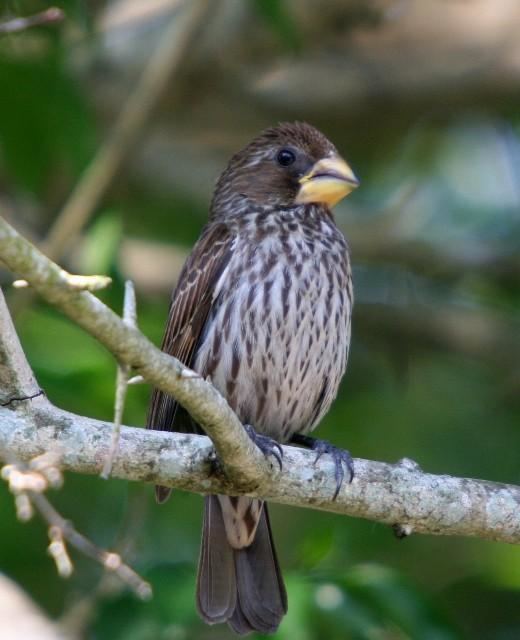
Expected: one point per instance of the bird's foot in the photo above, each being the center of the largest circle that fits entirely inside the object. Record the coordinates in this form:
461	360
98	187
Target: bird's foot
267	446
341	457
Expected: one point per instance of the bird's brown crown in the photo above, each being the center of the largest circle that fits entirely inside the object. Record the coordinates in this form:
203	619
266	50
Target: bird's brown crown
286	165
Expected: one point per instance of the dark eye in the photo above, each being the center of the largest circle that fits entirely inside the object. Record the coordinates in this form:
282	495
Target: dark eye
285	157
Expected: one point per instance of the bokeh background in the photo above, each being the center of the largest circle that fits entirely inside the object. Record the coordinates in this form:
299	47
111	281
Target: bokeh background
423	98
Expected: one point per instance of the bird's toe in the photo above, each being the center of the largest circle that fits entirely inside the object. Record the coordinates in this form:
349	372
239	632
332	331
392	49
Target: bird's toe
267	446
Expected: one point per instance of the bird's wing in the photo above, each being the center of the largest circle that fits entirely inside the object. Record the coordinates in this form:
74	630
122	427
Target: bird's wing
191	302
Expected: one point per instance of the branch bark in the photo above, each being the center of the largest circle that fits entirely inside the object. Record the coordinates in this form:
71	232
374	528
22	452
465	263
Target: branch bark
400	495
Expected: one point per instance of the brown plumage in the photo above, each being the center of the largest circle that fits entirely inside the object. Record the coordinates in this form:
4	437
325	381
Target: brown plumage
263	307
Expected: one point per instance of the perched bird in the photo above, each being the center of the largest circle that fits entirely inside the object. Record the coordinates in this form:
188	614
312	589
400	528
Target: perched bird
263	307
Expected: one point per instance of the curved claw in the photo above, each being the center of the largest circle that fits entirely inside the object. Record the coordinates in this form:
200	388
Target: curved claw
267	446
340	457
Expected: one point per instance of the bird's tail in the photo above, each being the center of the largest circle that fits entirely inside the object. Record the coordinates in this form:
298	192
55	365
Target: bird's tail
243	587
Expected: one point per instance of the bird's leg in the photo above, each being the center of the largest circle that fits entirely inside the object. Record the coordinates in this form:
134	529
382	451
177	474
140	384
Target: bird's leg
340	456
267	446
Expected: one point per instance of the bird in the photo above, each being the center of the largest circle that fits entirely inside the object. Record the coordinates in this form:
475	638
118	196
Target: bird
262	307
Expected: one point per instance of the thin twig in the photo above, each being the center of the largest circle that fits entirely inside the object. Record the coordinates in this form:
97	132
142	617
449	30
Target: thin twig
122	378
77	617
109	560
28	484
49	16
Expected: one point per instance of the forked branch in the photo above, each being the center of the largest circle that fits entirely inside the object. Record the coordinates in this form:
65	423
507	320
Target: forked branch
401	495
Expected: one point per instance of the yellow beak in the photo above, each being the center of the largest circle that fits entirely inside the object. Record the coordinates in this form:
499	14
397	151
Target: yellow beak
328	181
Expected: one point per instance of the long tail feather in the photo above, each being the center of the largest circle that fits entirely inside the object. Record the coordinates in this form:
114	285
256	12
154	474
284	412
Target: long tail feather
241	586
216	585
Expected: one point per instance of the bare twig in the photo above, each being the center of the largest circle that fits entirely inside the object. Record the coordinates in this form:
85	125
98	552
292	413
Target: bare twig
49	16
77	617
63	529
122	379
28	484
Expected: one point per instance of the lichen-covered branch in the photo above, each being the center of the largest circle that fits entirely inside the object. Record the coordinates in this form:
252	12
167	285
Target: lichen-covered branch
401	495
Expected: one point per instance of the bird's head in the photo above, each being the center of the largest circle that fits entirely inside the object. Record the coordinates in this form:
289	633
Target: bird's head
287	165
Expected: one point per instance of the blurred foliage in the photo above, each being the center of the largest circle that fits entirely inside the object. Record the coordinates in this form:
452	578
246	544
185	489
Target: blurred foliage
46	133
275	14
441	180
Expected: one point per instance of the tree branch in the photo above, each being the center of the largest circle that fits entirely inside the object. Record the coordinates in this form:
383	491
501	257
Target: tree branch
16	377
242	460
122	379
401	495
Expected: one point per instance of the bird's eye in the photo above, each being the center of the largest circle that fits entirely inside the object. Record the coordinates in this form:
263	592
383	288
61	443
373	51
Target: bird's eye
285	157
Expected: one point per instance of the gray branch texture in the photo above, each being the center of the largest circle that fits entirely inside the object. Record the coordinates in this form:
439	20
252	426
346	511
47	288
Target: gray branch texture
400	494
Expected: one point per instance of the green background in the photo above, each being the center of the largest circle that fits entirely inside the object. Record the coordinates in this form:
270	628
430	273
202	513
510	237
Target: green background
432	129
